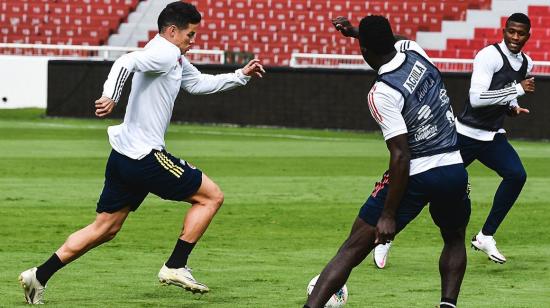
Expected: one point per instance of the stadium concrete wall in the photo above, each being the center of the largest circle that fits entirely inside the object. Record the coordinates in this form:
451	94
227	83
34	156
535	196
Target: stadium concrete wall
23	82
285	97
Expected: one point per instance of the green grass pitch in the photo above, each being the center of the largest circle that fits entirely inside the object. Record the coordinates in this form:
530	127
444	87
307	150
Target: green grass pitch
291	196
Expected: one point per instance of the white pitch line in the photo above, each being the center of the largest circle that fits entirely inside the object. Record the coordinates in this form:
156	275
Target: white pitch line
282	136
177	129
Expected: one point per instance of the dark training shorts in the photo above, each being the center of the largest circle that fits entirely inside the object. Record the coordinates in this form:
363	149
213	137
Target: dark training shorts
445	188
128	181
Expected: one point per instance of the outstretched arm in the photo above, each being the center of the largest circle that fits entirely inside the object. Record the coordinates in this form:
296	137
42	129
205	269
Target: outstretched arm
345	27
195	82
399	176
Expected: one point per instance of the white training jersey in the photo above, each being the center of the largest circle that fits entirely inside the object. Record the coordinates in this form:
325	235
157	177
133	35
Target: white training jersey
386	103
159	72
487	62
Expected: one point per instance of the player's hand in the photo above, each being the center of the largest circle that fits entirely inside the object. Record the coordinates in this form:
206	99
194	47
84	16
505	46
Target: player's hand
385	229
516	111
528	85
254	68
345	27
104	106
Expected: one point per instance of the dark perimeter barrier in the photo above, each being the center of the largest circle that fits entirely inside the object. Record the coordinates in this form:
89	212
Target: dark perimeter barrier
285	97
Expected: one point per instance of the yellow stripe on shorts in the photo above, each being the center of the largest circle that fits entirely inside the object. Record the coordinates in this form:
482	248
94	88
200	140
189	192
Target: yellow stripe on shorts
163	163
171	164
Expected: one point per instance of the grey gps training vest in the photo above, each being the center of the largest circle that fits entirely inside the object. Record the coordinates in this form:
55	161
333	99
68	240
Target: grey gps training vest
491	118
427	111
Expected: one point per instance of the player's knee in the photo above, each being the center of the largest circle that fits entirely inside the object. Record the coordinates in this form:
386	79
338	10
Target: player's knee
521	176
453	236
351	257
108	232
217	199
112	232
517	175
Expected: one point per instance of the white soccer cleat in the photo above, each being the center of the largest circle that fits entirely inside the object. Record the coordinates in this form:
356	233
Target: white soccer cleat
34	291
380	254
181	277
488	245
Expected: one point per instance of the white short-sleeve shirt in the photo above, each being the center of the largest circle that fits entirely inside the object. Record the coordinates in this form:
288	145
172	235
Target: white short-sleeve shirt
386	103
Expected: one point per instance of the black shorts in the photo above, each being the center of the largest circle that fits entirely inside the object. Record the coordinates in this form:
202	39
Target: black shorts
128	181
445	188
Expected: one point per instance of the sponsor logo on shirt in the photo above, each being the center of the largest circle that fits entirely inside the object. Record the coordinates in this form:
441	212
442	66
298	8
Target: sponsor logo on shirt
425	132
415	76
424	113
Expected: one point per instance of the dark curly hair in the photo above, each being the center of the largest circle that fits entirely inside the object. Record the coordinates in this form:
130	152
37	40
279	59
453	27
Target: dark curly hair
179	14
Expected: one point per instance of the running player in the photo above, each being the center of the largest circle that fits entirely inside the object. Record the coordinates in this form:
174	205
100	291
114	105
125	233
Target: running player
139	163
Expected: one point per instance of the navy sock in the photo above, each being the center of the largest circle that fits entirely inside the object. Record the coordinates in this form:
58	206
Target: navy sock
447	303
45	271
179	256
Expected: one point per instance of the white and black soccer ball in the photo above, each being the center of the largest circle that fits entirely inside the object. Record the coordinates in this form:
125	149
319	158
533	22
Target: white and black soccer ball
338	299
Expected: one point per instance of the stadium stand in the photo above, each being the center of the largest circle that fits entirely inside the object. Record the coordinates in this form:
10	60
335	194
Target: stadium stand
538	47
62	22
274	29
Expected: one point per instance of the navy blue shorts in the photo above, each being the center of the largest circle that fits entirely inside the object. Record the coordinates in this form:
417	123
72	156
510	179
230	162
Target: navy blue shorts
445	188
128	181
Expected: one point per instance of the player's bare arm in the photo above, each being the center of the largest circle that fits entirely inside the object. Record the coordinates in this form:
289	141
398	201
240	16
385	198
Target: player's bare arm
345	27
104	106
254	68
399	175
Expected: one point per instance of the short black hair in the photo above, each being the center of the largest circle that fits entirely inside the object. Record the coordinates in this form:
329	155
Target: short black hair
376	35
519	18
179	14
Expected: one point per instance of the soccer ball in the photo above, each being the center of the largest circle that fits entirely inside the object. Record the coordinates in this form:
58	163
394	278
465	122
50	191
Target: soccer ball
338	299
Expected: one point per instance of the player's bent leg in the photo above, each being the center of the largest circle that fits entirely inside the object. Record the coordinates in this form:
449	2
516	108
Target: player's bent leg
352	252
450	208
452	262
501	157
205	203
104	228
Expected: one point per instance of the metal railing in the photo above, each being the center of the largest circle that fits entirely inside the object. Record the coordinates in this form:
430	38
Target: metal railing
99	52
306	60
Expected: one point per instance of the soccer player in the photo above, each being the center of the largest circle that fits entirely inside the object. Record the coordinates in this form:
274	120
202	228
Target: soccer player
409	102
342	24
139	163
499	77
